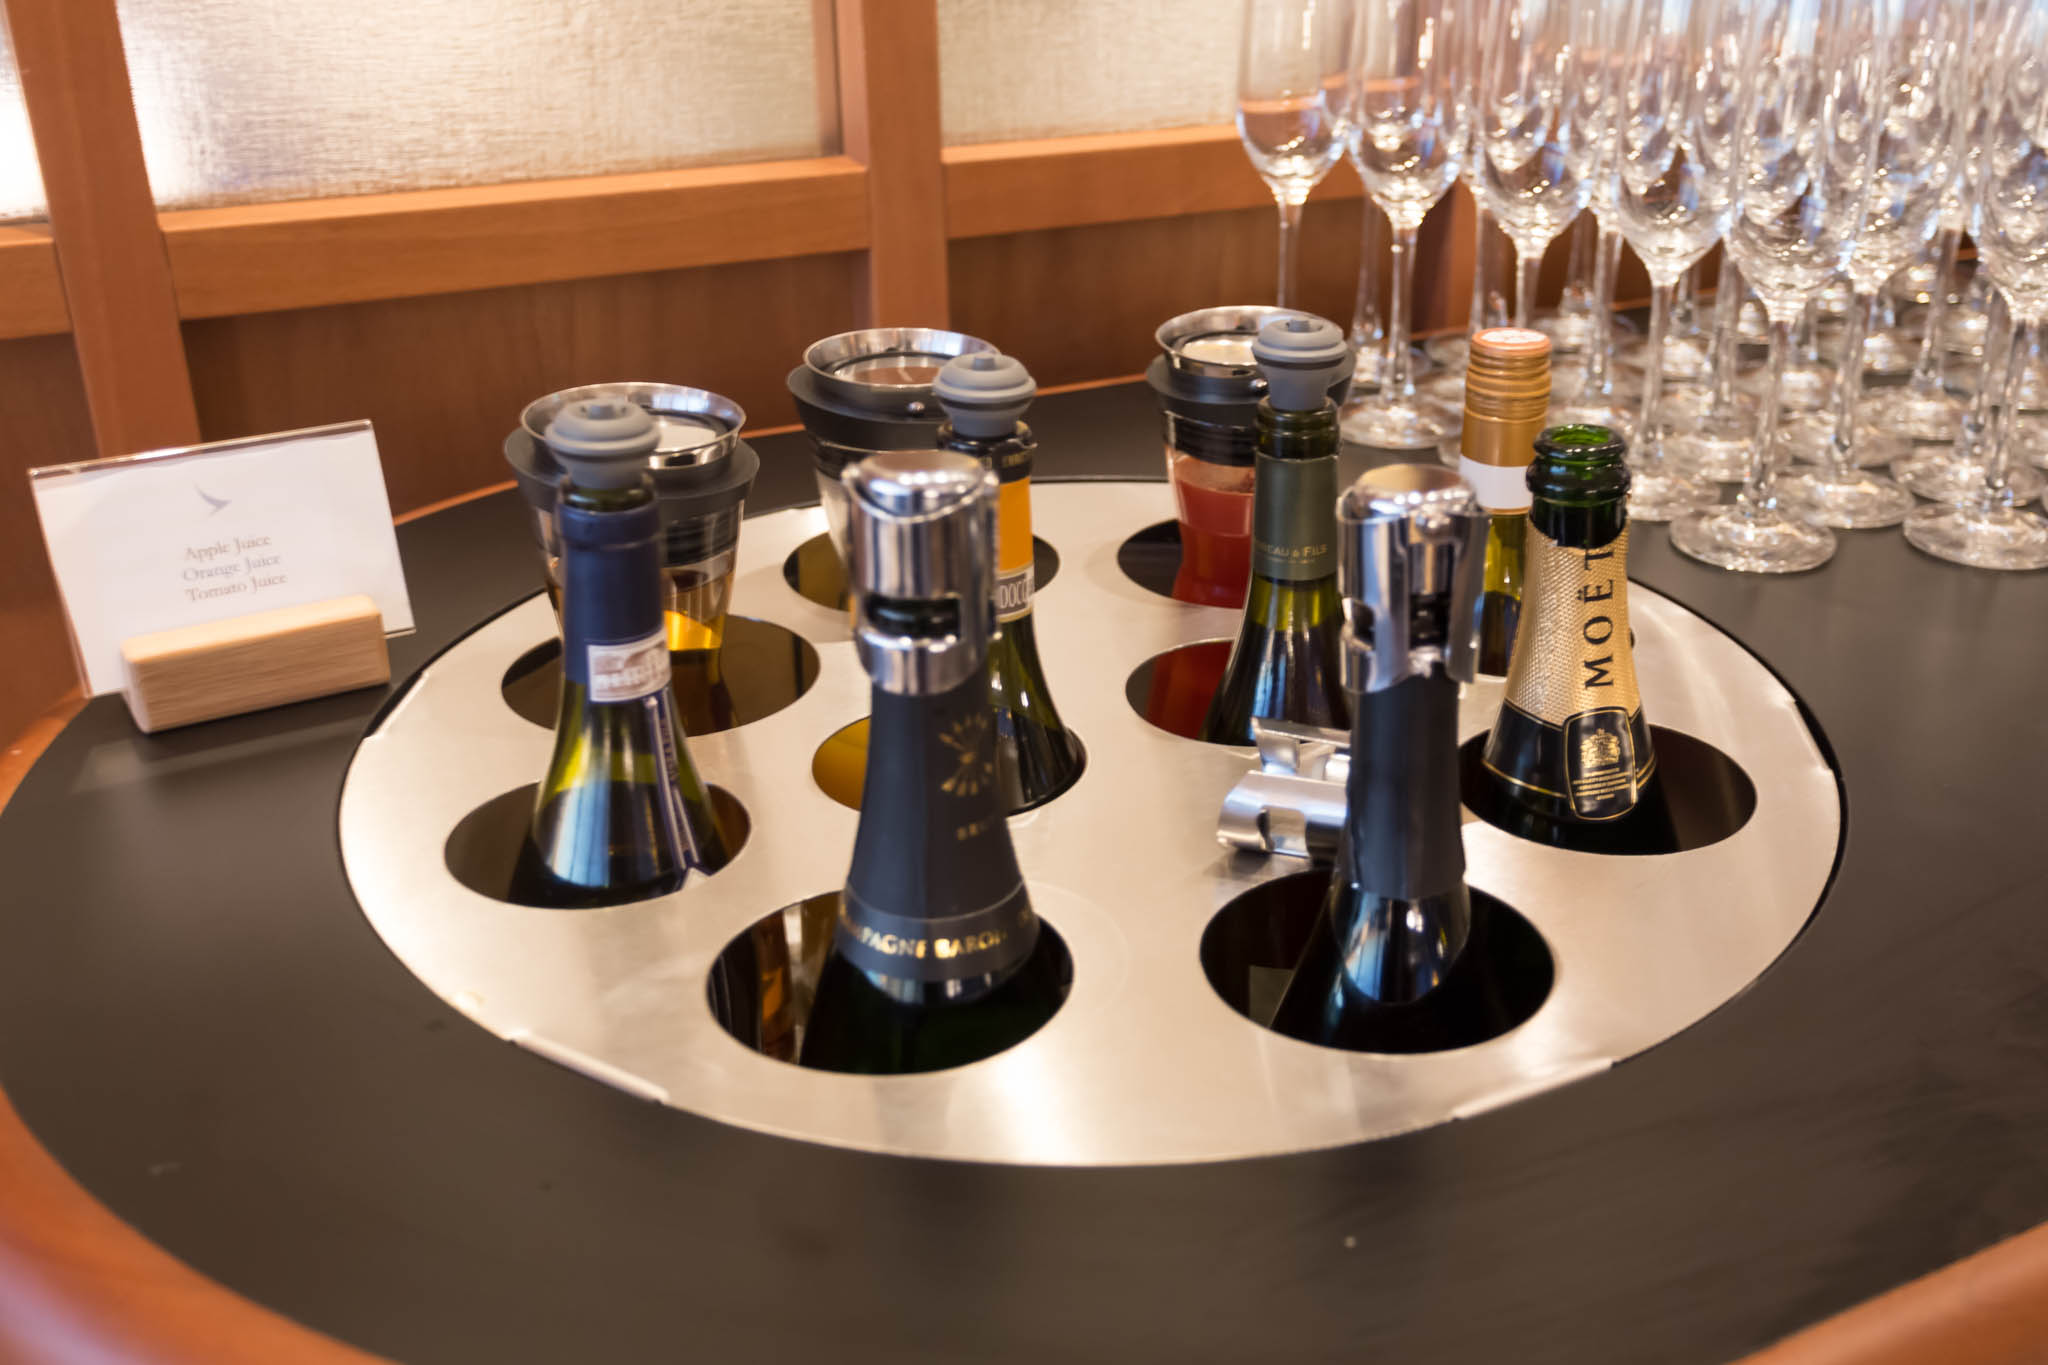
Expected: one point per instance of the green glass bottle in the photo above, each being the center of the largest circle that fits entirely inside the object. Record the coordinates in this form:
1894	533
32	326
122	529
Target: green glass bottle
937	958
1507	392
985	395
621	814
1571	751
1398	914
1285	663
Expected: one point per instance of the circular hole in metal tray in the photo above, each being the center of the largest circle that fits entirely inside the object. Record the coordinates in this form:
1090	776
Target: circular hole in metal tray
815	572
762	985
1498	983
1701	797
1173	690
484	849
1150	557
760	668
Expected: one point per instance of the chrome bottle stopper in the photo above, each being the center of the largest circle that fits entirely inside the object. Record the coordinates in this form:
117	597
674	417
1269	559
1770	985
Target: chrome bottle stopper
1411	547
921	527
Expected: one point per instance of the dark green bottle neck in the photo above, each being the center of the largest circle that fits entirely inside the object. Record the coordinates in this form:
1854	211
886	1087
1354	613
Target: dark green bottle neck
1578	486
1298	435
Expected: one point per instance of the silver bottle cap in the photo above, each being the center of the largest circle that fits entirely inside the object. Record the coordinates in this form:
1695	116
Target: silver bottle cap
1411	548
921	527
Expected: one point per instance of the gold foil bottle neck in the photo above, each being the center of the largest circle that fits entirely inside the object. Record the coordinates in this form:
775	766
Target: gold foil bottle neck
1507	397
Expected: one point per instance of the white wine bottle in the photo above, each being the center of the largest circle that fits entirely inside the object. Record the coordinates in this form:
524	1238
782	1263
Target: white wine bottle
985	395
622	814
1284	665
937	959
1398	914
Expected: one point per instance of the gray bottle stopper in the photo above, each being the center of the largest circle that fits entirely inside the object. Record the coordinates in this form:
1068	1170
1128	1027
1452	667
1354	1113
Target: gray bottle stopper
1300	358
603	442
984	393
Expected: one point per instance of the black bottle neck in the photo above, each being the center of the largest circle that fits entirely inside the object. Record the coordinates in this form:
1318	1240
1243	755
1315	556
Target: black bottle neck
1402	830
610	571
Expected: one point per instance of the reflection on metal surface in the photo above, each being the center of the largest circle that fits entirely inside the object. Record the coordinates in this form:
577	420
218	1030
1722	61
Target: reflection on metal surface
1145	1063
815	570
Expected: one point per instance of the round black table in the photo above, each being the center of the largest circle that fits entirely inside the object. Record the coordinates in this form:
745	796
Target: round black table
196	1020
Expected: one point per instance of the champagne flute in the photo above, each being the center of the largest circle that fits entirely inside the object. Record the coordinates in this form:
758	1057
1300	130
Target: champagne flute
1988	531
1534	135
1672	182
1915	161
1803	149
1290	106
1710	429
1410	63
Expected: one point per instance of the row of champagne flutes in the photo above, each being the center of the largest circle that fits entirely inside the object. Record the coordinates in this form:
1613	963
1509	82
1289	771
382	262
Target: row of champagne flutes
1810	138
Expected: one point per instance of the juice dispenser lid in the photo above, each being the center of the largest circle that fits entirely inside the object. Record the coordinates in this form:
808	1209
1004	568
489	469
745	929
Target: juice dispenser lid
872	389
699	463
1205	370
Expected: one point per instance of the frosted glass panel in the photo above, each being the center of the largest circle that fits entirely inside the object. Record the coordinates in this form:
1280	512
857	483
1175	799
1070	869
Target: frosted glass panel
21	181
1055	68
254	100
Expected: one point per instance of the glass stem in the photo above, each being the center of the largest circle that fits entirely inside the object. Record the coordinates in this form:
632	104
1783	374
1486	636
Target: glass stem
1809	334
1759	490
1928	379
1849	383
1290	231
1482	238
1579	285
1973	443
1649	440
1600	346
2019	333
1399	383
1727	336
1365	311
1527	259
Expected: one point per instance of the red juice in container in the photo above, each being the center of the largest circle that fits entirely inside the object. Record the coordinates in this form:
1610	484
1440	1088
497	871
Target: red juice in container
1209	391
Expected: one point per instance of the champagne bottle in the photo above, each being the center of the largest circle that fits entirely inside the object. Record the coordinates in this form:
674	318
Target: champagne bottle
937	959
622	814
984	395
1571	747
1507	392
1285	665
1397	914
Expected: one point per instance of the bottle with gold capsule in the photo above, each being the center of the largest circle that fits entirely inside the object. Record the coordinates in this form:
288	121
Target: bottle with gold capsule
1507	392
937	959
1286	662
985	395
1571	750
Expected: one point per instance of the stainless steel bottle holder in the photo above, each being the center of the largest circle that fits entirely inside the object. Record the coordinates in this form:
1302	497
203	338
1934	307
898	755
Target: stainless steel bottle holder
1145	1063
921	524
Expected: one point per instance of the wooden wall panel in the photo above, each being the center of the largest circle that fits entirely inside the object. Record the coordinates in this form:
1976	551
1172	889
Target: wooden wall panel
1082	303
43	408
444	377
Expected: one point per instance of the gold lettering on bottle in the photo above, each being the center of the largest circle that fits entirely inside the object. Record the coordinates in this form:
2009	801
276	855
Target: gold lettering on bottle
1572	653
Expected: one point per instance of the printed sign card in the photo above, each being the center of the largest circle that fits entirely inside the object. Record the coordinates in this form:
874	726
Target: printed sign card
179	537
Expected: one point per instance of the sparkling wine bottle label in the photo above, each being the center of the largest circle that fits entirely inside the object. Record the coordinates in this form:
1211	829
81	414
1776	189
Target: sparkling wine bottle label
934	893
1572	725
629	671
1294	518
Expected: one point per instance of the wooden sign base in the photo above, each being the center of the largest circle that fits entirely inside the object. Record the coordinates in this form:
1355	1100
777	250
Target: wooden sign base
246	663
